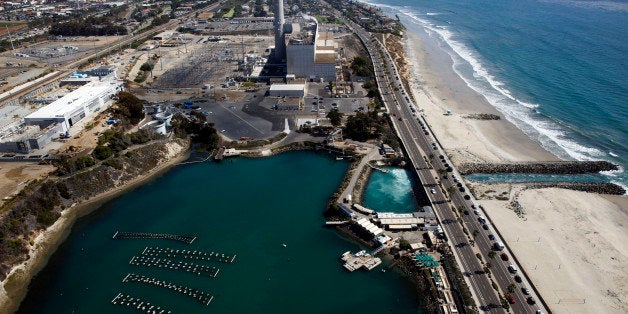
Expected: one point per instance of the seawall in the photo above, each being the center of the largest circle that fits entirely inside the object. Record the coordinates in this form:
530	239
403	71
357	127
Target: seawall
550	167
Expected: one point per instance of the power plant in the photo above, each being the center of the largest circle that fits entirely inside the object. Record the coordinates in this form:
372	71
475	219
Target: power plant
280	42
307	50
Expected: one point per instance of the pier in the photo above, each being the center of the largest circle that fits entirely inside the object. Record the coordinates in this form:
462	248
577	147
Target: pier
203	297
145	235
336	223
187	254
220	154
360	260
200	270
137	304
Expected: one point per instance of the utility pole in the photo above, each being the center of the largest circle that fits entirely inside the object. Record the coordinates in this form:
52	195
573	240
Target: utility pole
10	37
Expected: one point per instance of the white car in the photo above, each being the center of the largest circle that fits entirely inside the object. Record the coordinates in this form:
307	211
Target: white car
433	191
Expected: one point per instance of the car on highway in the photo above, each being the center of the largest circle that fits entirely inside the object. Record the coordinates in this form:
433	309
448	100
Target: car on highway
510	299
504	256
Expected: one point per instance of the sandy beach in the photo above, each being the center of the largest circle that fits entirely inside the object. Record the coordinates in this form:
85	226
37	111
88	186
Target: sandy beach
14	288
571	244
437	88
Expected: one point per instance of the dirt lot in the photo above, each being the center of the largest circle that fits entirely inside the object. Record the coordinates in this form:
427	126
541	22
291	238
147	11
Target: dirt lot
15	175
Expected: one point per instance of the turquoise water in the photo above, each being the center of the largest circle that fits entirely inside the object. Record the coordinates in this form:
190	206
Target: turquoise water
248	207
557	69
522	177
390	192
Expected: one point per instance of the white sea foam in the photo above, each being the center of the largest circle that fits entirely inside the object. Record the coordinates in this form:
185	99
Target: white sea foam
432	13
523	114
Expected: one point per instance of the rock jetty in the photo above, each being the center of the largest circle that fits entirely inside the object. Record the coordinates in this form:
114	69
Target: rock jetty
550	167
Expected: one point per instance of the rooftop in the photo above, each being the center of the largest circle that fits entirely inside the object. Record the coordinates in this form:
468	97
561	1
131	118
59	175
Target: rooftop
73	100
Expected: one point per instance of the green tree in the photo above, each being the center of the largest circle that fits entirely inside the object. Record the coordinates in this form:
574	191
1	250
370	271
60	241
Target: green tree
146	67
102	152
404	244
335	117
129	107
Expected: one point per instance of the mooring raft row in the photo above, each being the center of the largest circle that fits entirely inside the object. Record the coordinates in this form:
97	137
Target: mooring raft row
203	297
137	304
145	235
187	254
197	269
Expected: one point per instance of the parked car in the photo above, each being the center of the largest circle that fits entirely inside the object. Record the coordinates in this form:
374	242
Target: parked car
491	236
512	268
525	290
518	278
504	256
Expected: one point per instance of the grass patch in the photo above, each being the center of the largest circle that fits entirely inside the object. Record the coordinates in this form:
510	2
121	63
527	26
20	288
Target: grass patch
229	14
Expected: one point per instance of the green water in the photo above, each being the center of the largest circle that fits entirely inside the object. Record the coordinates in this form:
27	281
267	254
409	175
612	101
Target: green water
247	207
390	192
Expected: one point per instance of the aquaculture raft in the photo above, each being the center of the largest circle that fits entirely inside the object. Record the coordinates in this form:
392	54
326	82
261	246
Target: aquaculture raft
187	254
204	297
145	235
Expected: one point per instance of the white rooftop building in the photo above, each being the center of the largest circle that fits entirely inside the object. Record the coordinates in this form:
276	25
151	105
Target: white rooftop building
73	107
287	90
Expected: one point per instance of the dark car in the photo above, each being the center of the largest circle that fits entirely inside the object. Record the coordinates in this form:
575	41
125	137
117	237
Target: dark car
491	236
518	278
504	256
485	227
531	300
466	212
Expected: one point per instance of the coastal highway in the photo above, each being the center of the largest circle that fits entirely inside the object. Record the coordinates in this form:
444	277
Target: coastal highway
420	144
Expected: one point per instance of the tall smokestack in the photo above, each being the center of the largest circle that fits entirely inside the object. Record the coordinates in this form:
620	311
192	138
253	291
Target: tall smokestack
280	44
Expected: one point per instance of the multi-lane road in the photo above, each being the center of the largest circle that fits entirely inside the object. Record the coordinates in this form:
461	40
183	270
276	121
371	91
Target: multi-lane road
448	193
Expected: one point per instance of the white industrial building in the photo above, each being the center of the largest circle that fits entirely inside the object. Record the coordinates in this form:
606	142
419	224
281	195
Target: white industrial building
288	90
76	105
310	53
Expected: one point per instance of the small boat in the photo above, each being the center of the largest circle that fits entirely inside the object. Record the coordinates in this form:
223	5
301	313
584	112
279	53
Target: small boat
284	245
383	270
339	158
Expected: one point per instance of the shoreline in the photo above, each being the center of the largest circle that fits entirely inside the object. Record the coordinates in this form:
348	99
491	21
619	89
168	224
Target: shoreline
531	226
14	288
437	88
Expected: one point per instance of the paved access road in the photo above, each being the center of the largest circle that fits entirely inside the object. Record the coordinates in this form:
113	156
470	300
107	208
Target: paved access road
420	144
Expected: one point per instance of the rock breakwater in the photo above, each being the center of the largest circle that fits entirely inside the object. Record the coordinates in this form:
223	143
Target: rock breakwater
550	167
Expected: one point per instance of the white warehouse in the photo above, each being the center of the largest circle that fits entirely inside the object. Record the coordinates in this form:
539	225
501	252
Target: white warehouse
288	90
76	105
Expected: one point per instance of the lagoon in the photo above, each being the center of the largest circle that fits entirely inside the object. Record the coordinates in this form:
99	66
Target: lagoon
248	207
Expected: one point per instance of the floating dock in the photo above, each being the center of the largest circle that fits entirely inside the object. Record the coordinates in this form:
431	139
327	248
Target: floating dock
137	304
201	270
360	260
145	235
203	297
187	254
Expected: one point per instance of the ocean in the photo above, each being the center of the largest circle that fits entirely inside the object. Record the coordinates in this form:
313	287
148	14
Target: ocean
556	69
248	207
